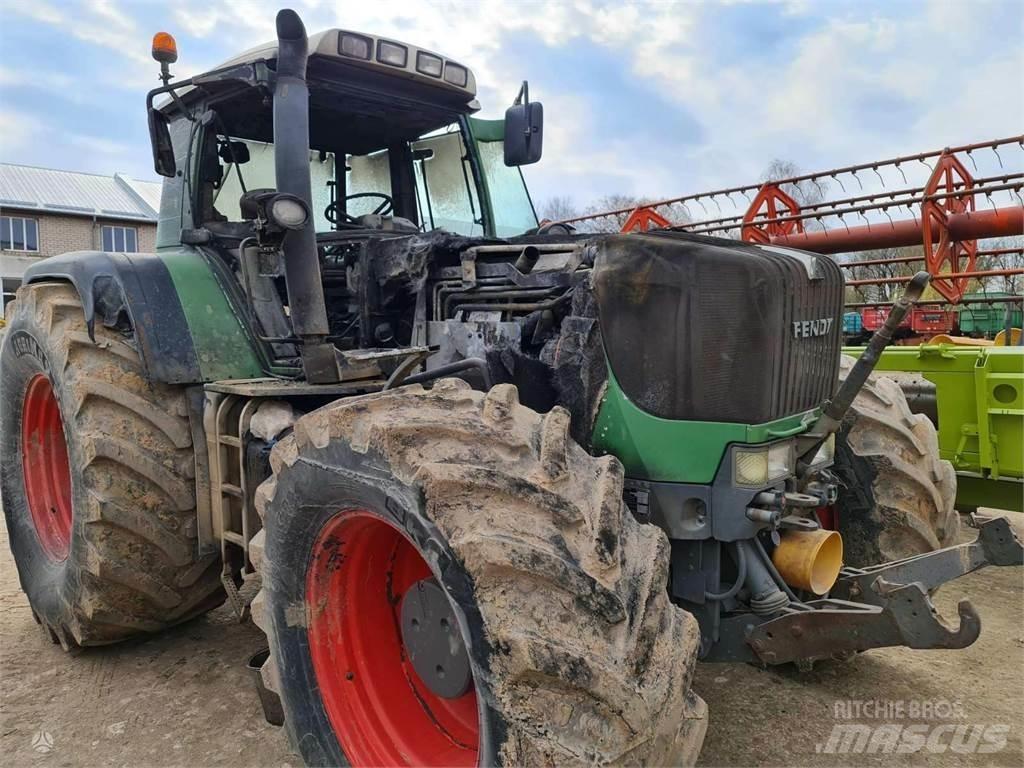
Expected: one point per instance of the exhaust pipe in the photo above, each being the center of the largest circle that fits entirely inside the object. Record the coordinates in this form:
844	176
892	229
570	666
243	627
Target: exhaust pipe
291	168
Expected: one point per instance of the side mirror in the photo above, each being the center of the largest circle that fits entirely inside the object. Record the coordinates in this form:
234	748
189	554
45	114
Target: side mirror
160	139
524	130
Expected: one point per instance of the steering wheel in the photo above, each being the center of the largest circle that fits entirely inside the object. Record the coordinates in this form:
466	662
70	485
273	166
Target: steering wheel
386	206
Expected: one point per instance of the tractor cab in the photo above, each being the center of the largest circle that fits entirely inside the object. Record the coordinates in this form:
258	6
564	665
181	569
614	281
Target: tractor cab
291	159
392	144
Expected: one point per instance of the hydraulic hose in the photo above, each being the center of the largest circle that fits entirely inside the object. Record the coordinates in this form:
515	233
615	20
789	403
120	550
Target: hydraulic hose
773	570
741	576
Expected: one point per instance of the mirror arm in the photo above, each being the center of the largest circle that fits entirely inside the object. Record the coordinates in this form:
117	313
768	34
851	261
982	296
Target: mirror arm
172	90
523	97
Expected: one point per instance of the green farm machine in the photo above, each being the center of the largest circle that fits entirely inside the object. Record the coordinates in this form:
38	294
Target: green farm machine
500	485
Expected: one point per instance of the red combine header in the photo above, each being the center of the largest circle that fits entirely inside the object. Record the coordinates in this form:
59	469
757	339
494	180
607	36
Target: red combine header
947	213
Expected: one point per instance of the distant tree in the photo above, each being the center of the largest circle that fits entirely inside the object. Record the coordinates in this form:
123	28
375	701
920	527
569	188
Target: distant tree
558	208
805	192
1015	260
887	291
613	202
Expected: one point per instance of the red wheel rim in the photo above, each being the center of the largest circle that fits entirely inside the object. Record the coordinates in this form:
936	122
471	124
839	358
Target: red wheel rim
381	711
44	461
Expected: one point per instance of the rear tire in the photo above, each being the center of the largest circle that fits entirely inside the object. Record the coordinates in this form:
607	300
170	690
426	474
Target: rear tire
577	654
123	562
897	496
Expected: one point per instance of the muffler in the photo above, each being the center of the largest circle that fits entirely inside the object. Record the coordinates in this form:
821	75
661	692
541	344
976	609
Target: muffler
307	309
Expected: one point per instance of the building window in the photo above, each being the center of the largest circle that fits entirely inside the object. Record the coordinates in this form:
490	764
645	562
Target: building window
119	240
18	234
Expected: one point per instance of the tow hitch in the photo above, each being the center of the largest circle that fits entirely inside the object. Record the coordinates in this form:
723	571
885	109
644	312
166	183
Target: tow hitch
885	605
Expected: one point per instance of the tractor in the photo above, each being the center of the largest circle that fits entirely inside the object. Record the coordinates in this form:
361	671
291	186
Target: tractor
490	488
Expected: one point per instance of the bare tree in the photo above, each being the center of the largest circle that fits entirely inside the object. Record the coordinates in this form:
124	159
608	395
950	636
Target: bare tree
805	192
558	208
887	291
1012	284
614	202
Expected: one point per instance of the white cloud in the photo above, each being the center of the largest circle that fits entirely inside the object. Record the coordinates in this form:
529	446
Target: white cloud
99	22
818	102
99	145
17	132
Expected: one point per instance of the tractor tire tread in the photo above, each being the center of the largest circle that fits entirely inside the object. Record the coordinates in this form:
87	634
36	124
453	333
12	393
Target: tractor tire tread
592	663
899	494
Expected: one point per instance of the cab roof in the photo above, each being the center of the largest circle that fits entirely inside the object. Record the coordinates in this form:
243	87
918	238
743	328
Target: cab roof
349	46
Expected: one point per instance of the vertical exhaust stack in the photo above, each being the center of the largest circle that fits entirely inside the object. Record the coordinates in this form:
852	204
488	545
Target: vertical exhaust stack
291	167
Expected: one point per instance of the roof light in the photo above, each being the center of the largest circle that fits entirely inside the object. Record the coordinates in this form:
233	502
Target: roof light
456	74
392	54
355	46
165	50
429	64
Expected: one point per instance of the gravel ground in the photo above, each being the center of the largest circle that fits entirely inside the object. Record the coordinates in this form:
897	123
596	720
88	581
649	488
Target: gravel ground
184	697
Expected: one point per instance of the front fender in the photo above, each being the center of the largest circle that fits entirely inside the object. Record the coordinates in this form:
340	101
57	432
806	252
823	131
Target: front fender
185	327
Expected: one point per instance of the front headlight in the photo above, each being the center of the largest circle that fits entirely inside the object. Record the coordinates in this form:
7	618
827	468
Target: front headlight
826	453
756	467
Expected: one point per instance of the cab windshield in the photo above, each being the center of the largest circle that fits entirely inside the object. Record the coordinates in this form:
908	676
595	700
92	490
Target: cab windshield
429	183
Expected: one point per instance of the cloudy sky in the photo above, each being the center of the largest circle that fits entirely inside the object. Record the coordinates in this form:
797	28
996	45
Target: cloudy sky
640	98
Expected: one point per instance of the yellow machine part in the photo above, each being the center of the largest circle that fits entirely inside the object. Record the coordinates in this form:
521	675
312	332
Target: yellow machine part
960	341
1000	340
809	560
967	341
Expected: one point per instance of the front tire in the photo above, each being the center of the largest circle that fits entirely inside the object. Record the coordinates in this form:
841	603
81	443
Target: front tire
897	496
97	479
576	653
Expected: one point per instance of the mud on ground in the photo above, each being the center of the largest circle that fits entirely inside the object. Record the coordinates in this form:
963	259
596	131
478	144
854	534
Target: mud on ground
184	697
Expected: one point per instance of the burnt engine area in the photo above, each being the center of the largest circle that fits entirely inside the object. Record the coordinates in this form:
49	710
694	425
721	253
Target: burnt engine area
499	302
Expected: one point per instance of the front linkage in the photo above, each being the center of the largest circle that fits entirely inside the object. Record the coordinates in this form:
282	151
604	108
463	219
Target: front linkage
884	605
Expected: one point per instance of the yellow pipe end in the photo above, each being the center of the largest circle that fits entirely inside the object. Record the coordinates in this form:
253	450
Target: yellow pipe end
960	341
1000	339
809	560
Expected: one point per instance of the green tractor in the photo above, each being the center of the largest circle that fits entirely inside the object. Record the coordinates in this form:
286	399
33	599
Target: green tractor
500	485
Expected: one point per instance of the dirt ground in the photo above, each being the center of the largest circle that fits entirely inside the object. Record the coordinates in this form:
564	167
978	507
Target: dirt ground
184	698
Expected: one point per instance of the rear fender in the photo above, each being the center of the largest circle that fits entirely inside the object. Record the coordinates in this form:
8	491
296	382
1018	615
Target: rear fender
175	304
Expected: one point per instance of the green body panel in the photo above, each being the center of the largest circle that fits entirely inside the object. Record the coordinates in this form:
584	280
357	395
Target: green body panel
980	400
222	346
487	130
664	450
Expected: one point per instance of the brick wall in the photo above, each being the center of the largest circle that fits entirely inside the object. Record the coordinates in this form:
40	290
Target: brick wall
61	234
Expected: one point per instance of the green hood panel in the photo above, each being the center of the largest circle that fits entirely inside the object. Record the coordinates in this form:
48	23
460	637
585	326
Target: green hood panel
663	450
223	348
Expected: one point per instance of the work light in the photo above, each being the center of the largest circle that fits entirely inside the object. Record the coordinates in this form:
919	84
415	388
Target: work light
757	467
428	64
288	212
826	453
456	74
354	46
392	54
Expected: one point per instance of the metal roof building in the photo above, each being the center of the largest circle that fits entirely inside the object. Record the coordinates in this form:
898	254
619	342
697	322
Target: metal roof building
45	212
77	194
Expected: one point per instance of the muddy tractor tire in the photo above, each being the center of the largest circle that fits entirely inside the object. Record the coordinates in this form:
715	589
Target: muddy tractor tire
449	579
897	495
97	479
